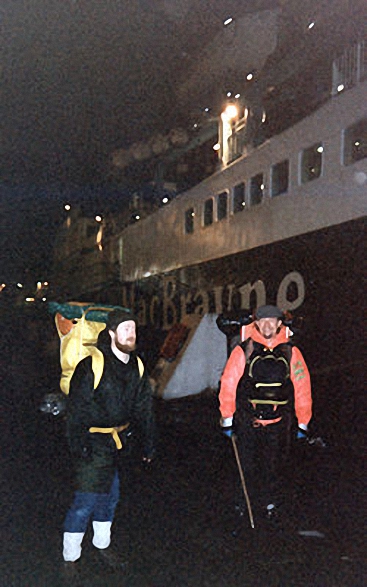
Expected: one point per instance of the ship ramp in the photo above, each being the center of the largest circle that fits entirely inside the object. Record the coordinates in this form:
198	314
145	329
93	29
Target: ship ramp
191	359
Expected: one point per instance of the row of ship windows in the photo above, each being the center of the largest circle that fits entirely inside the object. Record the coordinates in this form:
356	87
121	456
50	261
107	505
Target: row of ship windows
354	149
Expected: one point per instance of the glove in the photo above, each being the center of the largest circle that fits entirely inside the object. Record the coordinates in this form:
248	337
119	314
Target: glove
226	426
148	456
302	432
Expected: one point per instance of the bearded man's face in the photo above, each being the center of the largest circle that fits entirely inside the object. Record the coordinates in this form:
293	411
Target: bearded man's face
124	337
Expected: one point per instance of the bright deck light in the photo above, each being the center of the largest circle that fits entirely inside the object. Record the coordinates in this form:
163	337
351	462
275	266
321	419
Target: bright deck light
230	112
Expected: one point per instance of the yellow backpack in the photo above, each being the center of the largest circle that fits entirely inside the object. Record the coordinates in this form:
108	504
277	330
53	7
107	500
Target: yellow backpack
78	337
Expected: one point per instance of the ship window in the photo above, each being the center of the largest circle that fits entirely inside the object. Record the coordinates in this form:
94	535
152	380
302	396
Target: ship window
208	212
222	205
311	162
355	142
189	221
256	189
239	197
92	230
280	178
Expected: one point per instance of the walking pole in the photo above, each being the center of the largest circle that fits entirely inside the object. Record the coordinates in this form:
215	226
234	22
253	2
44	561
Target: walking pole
243	483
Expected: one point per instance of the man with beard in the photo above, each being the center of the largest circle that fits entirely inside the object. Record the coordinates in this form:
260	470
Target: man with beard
266	392
97	419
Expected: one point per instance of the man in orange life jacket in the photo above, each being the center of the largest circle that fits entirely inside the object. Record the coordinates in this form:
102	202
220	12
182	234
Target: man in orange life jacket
265	386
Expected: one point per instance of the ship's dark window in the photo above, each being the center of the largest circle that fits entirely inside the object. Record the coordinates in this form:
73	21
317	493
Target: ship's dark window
92	230
189	221
280	178
355	142
239	197
311	163
208	212
222	205
256	189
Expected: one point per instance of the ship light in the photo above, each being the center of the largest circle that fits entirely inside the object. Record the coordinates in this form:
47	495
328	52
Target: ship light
320	149
249	76
20	285
165	200
216	147
99	238
67	207
230	112
237	96
311	25
98	218
228	21
340	87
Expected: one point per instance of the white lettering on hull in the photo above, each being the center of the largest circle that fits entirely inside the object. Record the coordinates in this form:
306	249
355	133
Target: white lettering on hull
167	306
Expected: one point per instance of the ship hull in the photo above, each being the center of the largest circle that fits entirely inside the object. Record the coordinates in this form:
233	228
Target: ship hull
319	276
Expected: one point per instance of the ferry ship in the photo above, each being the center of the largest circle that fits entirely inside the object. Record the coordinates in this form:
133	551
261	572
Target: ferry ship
280	221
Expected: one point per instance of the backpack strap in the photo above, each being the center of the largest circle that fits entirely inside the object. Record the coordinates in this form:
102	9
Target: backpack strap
98	364
140	366
248	348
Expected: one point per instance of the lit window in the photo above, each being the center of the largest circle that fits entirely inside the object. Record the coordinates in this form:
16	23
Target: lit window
279	178
189	221
239	197
208	212
222	205
311	163
355	142
256	189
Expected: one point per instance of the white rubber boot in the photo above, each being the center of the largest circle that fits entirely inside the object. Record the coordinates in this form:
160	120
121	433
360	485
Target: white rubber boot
102	534
72	547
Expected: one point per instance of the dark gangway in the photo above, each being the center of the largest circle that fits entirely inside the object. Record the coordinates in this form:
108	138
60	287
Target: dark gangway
176	519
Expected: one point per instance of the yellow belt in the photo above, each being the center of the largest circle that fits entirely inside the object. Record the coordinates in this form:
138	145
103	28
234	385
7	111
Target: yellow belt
114	431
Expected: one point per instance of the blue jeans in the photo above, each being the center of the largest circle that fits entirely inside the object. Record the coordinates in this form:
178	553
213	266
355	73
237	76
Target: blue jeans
100	507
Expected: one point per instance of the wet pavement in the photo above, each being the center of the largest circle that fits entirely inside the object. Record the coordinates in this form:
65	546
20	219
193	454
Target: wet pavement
174	523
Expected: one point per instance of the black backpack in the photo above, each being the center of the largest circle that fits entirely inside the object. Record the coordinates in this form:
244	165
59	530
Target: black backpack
266	379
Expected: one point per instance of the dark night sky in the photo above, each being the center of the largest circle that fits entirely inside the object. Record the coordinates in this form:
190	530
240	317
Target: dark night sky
84	77
81	78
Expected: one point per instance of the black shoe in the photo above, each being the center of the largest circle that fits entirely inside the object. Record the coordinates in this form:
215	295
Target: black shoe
112	558
70	572
272	512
